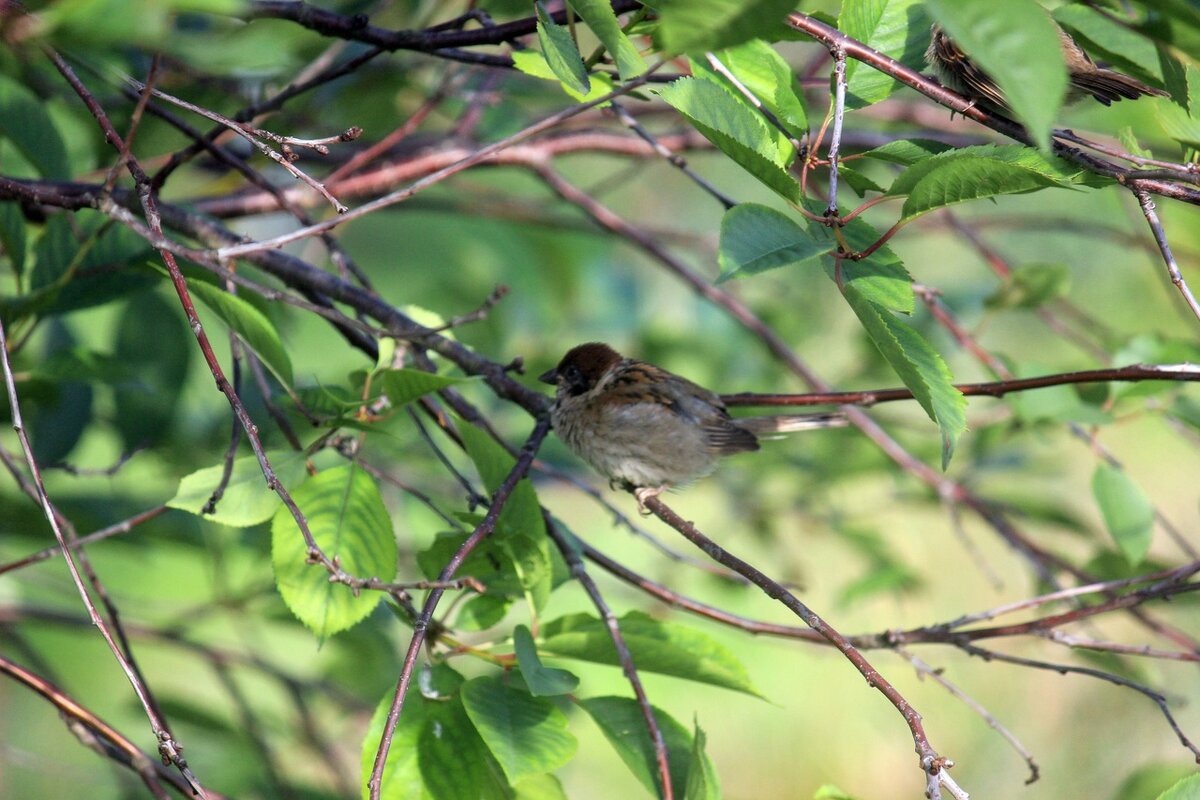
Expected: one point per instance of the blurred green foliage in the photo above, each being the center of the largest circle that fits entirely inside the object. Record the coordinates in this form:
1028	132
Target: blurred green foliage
263	667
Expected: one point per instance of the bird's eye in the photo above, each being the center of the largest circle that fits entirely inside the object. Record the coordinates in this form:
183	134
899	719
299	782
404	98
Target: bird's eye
574	379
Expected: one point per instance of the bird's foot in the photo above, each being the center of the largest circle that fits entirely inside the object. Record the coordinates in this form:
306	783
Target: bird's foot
643	494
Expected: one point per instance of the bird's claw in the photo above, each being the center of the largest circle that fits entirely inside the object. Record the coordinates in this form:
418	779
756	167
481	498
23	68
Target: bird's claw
643	494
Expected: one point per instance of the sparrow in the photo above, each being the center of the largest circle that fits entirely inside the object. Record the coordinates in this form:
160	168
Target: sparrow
648	429
956	71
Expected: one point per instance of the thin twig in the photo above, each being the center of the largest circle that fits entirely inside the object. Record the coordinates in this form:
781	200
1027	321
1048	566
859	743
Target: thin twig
168	747
671	157
1164	247
745	92
937	677
422	623
115	746
153	213
474	158
839	112
124	526
579	573
931	763
1132	373
1063	669
255	135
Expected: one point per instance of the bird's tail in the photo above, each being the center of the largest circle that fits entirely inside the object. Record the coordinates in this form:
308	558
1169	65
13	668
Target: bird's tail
1108	86
788	423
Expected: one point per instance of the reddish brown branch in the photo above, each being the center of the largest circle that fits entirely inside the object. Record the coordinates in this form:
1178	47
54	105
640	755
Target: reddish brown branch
835	40
112	530
579	573
931	763
357	27
1063	669
104	738
869	397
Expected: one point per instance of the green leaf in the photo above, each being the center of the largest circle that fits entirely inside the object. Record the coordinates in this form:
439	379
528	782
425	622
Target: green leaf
882	278
453	758
830	792
892	578
534	64
542	681
405	385
599	16
125	22
481	612
539	787
494	564
1129	141
621	721
12	236
737	129
1016	43
527	735
519	548
68	245
1182	125
656	646
688	26
330	401
386	352
401	771
919	366
152	334
971	173
1127	512
522	513
82	262
710	100
756	238
1110	41
907	151
347	518
560	52
897	28
982	172
1187	789
858	181
702	783
78	363
252	325
57	251
25	123
57	419
1030	286
769	78
1175	24
247	500
1151	780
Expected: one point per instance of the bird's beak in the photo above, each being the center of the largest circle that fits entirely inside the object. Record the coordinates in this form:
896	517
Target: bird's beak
550	376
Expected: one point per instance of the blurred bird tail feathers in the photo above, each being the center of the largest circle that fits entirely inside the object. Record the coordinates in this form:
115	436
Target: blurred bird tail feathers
789	423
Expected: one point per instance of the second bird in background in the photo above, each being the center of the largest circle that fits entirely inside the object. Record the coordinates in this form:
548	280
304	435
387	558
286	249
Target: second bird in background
957	71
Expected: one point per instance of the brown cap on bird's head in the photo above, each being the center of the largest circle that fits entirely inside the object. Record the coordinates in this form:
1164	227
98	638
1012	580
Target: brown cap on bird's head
582	366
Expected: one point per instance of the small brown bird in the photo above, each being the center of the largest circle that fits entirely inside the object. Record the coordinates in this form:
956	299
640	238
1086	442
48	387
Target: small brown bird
957	71
649	429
